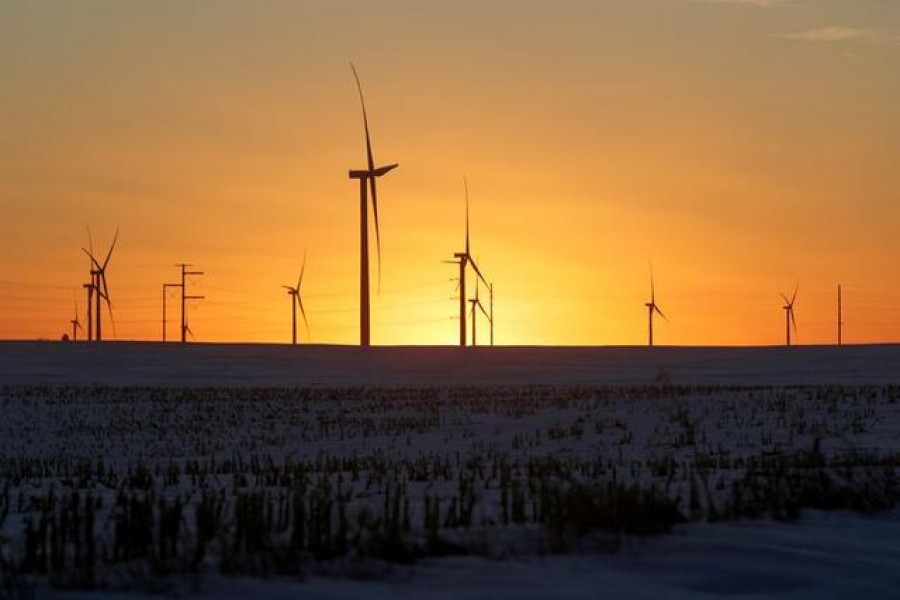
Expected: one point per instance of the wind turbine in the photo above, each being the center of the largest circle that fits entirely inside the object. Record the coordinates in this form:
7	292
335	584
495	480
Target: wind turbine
294	293
476	303
76	324
464	259
100	287
789	314
652	306
367	179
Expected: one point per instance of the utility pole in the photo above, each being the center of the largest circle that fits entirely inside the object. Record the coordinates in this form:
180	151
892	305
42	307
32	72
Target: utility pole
184	297
491	292
840	318
165	289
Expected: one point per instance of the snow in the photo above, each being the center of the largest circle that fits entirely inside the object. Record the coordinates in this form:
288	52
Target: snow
137	363
434	404
824	556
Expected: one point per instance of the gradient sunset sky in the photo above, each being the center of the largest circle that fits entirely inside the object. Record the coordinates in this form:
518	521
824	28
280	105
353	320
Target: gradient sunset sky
741	145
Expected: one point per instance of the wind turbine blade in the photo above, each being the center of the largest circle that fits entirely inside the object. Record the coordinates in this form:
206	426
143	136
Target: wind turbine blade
90	241
105	293
785	298
302	270
793	320
794	297
109	254
466	184
477	270
362	102
483	311
381	171
91	256
303	313
377	231
112	319
652	287
660	313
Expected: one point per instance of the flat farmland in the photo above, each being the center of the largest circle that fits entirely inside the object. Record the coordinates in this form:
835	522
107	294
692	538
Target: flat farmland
175	465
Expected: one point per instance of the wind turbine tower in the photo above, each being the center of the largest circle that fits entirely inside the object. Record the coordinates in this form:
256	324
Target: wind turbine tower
294	293
652	307
367	179
90	298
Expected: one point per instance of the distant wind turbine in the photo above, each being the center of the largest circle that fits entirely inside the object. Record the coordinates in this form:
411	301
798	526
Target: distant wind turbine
294	293
789	314
76	324
464	259
476	303
652	307
367	179
100	289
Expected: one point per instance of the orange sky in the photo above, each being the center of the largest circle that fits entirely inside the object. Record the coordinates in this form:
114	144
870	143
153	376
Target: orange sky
742	145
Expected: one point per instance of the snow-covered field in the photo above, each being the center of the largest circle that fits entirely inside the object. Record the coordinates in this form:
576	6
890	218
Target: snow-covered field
126	363
822	557
272	471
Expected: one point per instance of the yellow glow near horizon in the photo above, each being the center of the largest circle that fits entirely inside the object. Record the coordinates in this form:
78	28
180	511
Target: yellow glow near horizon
733	146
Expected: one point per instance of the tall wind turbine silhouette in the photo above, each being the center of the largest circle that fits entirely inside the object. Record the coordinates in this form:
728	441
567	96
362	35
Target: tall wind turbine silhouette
294	293
789	314
367	179
463	259
99	284
652	306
